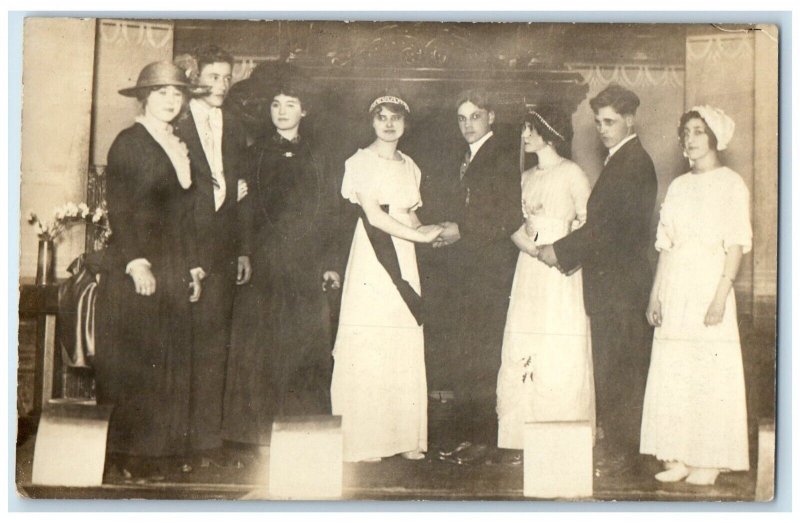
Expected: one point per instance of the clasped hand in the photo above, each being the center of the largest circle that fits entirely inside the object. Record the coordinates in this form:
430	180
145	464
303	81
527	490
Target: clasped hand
430	233
449	234
547	255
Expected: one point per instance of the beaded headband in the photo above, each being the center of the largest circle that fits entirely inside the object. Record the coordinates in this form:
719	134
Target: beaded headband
544	122
389	100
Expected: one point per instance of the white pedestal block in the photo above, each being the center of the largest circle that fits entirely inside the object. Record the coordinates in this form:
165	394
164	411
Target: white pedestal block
71	444
558	460
306	457
765	475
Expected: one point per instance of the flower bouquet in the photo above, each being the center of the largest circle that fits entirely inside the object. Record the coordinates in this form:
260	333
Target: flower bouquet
64	217
68	215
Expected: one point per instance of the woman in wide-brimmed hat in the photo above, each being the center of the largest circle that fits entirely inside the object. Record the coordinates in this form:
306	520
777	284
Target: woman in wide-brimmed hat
143	305
695	411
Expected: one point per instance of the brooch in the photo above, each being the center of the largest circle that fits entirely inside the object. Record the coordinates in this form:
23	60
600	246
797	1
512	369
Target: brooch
288	154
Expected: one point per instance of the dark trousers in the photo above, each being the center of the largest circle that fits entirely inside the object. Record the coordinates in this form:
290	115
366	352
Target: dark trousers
485	306
621	345
211	324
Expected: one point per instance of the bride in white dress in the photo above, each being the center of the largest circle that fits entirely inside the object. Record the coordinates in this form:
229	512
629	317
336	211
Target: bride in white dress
546	369
379	386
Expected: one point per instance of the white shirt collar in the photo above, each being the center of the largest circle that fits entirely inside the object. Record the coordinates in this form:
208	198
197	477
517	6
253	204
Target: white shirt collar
617	147
475	147
202	109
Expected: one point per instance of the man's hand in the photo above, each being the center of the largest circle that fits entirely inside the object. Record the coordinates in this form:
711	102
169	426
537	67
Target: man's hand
331	280
196	286
241	190
243	270
547	255
449	235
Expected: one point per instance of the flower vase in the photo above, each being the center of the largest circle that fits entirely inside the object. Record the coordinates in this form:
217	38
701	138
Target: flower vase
46	267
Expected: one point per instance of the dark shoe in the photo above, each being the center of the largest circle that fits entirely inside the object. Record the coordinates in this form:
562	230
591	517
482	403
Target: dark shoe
458	448
219	459
511	457
475	453
613	466
140	470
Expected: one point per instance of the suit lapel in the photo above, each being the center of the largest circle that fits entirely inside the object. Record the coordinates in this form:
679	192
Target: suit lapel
201	170
621	153
612	169
228	157
614	163
188	131
479	158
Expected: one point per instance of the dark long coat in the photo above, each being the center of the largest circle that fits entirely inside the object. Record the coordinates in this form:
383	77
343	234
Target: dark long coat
142	359
280	360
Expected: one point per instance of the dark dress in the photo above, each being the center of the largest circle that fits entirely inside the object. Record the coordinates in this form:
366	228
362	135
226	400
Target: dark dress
280	359
142	363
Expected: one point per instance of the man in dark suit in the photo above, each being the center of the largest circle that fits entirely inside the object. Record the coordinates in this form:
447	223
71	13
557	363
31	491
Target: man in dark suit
486	185
216	143
612	250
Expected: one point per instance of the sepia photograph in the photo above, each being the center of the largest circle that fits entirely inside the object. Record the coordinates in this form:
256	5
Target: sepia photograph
299	259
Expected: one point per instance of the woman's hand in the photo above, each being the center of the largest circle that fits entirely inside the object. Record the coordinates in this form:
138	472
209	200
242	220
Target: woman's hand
331	280
241	190
654	313
715	313
430	232
243	270
450	234
143	279
530	231
532	251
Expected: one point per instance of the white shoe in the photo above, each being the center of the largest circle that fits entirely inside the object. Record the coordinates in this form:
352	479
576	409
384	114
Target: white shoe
702	476
370	460
675	473
413	455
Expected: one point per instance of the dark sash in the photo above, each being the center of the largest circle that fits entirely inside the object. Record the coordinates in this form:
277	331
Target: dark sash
387	256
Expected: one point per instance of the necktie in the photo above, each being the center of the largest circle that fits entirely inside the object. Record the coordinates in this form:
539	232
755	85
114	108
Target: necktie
212	143
463	170
464	165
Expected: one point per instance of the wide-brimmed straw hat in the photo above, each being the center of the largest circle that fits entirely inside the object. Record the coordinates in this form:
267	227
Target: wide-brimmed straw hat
159	74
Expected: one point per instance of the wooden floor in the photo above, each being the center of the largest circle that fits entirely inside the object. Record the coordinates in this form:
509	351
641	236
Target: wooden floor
398	479
391	479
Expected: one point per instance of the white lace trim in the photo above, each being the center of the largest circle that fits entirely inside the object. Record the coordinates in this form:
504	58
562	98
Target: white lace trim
176	150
